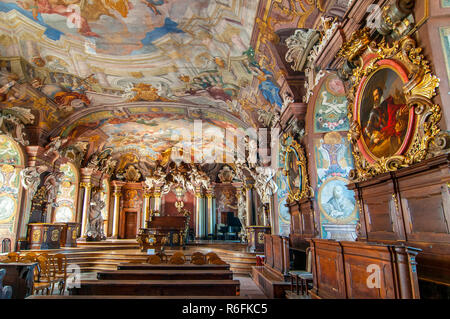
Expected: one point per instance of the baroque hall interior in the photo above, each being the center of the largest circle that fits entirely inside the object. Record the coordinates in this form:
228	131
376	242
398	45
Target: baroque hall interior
239	149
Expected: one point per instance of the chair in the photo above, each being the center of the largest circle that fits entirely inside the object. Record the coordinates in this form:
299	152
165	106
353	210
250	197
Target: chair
60	272
304	276
163	256
31	256
210	256
154	260
198	260
179	255
217	261
198	255
6	245
221	230
176	260
231	234
5	292
42	278
13	257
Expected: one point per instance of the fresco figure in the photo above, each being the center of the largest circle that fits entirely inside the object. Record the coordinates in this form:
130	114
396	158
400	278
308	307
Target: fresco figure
55	7
387	124
338	205
269	90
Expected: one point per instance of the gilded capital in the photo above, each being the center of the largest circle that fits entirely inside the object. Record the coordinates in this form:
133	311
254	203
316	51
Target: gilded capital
86	185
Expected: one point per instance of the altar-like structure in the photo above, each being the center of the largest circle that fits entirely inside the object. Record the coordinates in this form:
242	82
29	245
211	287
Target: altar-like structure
164	231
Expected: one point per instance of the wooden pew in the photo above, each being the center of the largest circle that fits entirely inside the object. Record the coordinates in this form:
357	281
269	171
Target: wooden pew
157	287
132	266
352	270
165	275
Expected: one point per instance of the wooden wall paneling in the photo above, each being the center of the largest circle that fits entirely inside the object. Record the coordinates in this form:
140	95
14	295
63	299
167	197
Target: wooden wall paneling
381	209
277	251
268	250
425	207
328	270
358	260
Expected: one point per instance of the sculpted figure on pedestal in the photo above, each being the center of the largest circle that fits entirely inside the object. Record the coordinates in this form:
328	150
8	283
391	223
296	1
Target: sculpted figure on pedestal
95	221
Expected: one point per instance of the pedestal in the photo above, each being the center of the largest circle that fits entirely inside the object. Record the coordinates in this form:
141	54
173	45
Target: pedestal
255	237
44	236
69	233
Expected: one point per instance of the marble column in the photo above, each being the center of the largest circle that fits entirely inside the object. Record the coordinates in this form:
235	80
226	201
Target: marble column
156	200
211	215
116	212
199	208
250	207
117	194
87	187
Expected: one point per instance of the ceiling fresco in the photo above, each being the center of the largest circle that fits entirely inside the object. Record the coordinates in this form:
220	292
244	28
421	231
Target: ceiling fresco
149	135
180	47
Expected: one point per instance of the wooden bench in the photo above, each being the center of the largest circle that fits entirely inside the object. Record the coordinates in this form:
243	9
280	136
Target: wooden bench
132	266
165	275
157	287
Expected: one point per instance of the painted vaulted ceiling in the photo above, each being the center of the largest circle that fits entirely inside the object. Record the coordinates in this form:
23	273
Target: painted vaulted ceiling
178	46
118	73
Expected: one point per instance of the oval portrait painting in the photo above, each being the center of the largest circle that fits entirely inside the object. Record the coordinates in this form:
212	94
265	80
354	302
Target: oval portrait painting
336	201
294	171
384	117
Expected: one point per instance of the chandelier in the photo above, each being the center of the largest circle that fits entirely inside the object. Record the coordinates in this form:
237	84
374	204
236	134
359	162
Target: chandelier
179	193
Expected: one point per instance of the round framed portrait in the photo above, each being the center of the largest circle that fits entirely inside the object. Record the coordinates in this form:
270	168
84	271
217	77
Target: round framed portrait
386	121
8	206
336	202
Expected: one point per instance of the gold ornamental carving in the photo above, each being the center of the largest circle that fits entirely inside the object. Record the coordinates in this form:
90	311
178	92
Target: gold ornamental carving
36	235
86	185
55	235
415	126
296	170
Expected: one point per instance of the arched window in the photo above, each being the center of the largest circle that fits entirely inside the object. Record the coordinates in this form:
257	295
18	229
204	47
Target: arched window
105	198
11	163
66	199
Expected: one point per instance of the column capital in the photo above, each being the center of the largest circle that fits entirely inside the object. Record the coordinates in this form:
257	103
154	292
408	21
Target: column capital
117	194
87	185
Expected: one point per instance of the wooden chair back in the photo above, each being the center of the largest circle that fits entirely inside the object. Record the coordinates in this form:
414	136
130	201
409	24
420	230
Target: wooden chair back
44	269
60	264
13	257
217	261
197	254
198	260
177	260
154	260
210	256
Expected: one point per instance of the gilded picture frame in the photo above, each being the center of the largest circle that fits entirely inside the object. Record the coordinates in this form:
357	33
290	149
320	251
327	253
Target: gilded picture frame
296	171
409	90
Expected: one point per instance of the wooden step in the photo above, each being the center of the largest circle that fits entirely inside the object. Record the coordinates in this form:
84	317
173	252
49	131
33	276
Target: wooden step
165	275
157	287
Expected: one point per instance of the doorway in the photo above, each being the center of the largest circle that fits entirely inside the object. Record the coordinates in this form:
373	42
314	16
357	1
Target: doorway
130	225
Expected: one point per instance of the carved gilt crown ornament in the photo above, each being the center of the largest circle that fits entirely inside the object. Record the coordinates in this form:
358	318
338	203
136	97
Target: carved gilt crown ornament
394	122
296	170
